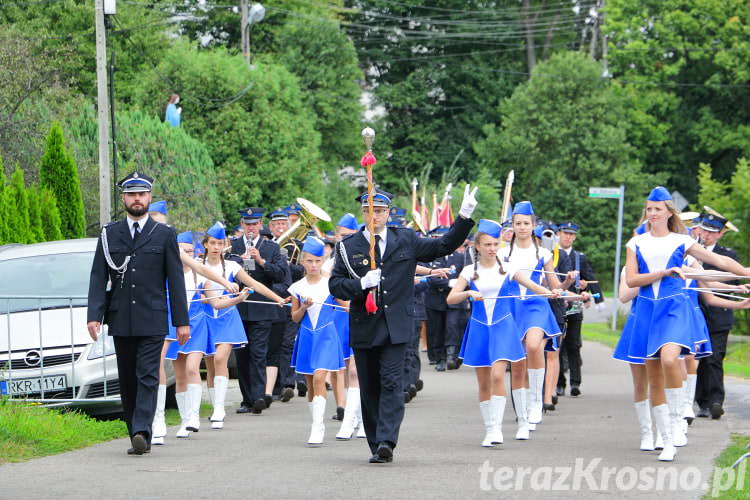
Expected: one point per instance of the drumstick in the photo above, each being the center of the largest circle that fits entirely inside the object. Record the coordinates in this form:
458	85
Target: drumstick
553	272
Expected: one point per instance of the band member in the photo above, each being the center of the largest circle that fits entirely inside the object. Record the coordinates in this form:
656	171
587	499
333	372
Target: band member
492	337
379	339
570	349
262	260
139	258
317	351
662	330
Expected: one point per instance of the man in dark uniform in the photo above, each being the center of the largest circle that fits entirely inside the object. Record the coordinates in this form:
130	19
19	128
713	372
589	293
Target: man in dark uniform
379	338
709	391
436	308
457	315
137	257
570	350
262	260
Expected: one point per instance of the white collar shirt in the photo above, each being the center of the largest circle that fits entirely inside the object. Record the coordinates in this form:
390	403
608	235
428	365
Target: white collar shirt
141	224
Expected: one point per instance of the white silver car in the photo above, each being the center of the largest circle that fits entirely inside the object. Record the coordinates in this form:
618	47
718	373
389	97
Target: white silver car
46	353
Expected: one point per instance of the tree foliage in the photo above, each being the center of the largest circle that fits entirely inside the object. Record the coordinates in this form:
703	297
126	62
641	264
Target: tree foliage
50	215
59	173
18	209
563	132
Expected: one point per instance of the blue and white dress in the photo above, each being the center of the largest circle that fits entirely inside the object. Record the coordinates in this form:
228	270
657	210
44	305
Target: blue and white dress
531	311
701	338
318	345
225	325
491	334
199	340
664	314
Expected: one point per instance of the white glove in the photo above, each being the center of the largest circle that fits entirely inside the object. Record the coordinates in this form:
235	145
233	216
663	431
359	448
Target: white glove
371	279
452	282
600	306
469	203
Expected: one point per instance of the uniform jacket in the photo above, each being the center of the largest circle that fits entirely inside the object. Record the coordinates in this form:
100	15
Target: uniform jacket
438	289
275	271
719	319
394	317
137	303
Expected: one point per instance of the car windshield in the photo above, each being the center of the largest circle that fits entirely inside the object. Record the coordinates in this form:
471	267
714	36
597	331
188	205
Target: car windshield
62	275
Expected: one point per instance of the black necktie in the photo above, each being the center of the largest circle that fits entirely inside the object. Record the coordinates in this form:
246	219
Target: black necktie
378	257
136	231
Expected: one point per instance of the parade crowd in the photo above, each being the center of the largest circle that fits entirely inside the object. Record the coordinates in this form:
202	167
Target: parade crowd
305	312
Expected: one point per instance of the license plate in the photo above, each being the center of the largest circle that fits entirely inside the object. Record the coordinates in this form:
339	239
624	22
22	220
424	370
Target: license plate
29	385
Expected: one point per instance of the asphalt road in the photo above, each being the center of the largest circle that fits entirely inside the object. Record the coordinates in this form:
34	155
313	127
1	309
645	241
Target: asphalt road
438	455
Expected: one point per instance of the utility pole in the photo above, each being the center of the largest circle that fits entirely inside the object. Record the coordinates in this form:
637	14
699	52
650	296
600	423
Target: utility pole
105	201
243	29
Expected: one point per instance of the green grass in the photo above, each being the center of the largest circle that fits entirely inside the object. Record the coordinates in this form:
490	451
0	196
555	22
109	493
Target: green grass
724	484
28	431
736	363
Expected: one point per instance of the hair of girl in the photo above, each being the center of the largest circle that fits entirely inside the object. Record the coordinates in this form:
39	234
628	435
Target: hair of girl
674	224
476	258
221	256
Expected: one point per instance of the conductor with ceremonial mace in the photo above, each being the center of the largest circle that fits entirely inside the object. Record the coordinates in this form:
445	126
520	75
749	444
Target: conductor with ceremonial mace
374	269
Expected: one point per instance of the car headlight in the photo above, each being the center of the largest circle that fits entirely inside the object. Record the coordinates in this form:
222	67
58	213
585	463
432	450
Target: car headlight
104	346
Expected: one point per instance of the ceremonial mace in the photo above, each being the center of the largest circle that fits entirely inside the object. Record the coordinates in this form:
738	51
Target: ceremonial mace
367	161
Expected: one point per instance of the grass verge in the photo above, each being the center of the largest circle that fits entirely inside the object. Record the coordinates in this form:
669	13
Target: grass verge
31	431
727	483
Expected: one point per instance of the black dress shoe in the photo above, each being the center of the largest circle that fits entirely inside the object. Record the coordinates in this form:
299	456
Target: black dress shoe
301	389
244	409
420	384
412	390
131	451
258	406
716	411
339	415
407	397
554	399
268	399
140	444
546	407
560	391
440	366
287	393
703	413
575	391
383	455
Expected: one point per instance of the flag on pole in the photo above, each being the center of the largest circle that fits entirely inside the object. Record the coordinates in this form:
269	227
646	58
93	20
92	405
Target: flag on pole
435	208
445	214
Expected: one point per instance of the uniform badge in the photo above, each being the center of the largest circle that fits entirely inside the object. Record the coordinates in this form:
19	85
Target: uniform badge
365	262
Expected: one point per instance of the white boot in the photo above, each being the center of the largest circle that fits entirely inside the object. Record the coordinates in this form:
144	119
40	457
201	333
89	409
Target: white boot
219	395
519	400
643	412
360	422
484	409
346	431
674	401
664	424
535	397
497	408
658	442
194	408
159	425
688	412
318	427
183	402
212	394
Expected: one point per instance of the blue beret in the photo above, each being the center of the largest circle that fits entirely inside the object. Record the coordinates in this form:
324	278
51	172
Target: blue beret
348	221
438	230
158	206
489	227
217	231
186	237
659	193
314	246
523	208
642	228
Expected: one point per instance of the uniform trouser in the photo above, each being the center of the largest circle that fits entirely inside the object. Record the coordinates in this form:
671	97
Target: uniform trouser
570	351
138	361
412	363
251	361
436	325
381	383
709	387
287	375
275	339
456	320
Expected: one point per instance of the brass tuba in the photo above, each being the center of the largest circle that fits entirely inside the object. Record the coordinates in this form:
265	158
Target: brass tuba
308	217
